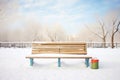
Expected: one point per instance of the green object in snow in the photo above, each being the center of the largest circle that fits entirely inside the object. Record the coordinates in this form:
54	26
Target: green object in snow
95	64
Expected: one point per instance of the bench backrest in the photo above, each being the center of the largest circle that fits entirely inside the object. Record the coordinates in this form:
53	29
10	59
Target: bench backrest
59	48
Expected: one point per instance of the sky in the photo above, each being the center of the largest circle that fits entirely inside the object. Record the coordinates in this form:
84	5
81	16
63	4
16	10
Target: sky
71	14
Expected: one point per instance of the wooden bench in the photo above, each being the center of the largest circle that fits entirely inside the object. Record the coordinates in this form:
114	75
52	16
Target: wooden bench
77	51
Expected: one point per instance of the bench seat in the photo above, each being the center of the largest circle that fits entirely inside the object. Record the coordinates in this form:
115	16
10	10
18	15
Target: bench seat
58	56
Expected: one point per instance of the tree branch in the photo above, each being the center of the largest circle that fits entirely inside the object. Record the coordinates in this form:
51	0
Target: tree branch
117	29
93	32
114	21
102	26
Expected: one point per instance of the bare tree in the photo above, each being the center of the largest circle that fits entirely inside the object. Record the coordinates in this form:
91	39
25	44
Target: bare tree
31	31
119	34
56	33
103	33
115	29
4	33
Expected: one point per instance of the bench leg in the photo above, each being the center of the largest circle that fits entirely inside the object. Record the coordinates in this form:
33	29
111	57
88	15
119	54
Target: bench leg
59	62
87	62
31	61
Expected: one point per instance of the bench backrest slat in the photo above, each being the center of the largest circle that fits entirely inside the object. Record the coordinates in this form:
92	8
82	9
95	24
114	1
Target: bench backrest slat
59	47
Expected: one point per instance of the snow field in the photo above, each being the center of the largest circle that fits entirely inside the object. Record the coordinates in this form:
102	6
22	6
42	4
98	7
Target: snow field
14	66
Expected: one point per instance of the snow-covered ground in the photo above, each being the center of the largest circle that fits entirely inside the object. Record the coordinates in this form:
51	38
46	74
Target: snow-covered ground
14	66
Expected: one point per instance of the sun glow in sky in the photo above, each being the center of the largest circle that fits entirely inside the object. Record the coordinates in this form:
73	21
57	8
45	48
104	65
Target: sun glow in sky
71	14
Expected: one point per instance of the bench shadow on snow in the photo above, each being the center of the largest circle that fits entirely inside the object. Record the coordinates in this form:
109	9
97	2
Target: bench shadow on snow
54	65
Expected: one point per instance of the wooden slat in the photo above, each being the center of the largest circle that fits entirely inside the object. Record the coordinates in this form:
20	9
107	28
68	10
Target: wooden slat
72	51
41	45
45	50
58	43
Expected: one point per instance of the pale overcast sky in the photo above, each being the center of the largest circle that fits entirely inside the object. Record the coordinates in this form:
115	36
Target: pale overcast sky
71	14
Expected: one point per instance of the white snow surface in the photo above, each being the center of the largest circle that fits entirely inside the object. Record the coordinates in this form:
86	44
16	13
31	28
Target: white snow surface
14	66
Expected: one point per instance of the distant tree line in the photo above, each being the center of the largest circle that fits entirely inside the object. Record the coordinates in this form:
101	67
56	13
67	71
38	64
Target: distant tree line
105	29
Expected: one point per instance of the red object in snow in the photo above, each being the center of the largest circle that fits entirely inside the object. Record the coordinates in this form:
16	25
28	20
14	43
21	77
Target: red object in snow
94	60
